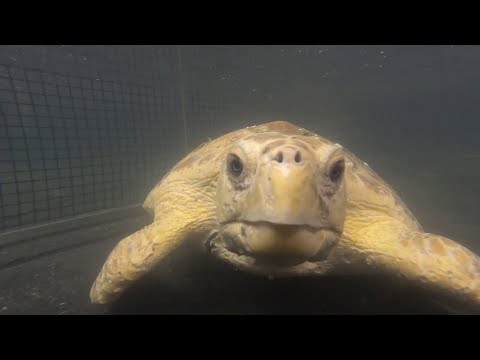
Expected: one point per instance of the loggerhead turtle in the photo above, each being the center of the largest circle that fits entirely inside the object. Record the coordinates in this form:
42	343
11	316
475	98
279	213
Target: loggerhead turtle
278	200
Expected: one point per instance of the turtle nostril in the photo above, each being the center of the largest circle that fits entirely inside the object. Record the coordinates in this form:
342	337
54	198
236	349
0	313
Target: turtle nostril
298	157
279	157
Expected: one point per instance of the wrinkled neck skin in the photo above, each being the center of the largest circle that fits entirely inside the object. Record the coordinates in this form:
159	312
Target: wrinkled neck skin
375	216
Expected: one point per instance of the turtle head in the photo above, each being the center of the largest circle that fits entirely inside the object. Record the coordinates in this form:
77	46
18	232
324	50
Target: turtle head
280	202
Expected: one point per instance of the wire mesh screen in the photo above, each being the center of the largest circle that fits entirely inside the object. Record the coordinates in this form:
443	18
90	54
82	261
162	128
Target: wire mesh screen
72	144
85	128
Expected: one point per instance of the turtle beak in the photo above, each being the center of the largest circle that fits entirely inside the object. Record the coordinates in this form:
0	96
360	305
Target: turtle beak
285	191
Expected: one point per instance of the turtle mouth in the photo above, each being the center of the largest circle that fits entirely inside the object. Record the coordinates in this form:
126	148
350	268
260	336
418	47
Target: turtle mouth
272	249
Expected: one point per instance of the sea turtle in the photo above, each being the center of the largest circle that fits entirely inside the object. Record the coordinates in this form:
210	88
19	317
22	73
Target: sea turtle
278	200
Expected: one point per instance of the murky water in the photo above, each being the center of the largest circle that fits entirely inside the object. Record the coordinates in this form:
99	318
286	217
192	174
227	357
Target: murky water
87	128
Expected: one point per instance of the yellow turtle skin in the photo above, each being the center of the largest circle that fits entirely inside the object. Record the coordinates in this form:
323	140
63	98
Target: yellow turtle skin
278	200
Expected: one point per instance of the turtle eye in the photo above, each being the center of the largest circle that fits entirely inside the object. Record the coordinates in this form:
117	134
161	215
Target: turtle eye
336	171
235	165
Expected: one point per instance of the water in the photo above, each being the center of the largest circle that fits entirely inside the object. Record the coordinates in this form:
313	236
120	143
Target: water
88	128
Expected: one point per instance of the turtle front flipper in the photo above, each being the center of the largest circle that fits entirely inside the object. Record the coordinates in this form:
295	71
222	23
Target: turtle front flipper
183	207
434	262
134	256
176	221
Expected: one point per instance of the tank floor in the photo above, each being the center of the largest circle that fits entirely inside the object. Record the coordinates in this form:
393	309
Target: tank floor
58	281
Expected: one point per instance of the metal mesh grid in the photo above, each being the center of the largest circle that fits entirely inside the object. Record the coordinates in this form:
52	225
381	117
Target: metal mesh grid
72	144
84	128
